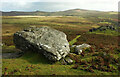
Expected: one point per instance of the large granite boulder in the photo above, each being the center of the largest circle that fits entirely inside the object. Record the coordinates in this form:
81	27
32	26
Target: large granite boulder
44	40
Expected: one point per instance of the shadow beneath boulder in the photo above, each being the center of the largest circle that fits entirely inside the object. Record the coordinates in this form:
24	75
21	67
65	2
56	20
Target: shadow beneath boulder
35	58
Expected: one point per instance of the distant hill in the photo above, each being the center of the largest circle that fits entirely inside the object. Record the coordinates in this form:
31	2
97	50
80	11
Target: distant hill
71	12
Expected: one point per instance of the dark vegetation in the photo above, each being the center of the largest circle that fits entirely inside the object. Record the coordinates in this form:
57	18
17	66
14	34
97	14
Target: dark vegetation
100	58
106	30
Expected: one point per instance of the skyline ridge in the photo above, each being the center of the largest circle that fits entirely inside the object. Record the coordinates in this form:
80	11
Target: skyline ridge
59	10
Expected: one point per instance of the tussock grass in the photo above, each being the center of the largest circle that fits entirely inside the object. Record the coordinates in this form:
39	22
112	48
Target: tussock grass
74	40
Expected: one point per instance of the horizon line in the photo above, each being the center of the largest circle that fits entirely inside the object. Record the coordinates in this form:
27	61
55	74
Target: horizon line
58	11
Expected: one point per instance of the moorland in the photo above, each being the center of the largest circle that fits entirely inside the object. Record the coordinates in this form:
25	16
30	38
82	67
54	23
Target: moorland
73	23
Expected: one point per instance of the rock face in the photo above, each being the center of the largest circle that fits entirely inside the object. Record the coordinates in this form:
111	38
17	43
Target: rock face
44	40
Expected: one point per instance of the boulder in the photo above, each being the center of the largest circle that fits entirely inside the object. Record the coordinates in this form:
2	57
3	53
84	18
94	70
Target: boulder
80	48
44	40
73	46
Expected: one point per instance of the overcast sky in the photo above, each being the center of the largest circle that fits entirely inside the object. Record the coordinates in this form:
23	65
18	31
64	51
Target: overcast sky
58	5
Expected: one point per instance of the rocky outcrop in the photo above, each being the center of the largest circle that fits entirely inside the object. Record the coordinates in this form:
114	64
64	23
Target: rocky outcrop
103	28
44	40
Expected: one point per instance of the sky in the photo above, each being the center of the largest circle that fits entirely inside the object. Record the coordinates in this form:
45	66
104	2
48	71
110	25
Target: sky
58	5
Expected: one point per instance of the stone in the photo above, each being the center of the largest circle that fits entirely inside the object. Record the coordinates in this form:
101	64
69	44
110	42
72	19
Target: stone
63	62
103	28
68	60
80	48
73	46
90	30
1	44
44	40
94	29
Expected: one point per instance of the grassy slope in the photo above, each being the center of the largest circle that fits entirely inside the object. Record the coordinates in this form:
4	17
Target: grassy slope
60	23
36	64
32	63
40	66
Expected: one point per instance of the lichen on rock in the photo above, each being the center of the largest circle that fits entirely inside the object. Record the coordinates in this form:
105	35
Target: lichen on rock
50	42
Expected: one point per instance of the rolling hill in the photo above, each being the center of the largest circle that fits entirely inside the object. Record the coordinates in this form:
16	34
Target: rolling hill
71	12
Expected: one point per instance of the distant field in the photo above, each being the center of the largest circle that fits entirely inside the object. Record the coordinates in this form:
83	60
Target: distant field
61	23
58	22
113	13
37	16
73	26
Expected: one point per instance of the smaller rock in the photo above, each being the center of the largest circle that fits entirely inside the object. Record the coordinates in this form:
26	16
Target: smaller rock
103	28
63	62
1	44
68	60
94	29
78	51
90	30
73	46
80	48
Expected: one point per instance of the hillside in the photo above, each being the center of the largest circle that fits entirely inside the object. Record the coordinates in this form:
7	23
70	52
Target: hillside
72	12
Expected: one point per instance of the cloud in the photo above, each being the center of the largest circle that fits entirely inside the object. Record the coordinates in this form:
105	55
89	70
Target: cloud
21	0
60	1
59	5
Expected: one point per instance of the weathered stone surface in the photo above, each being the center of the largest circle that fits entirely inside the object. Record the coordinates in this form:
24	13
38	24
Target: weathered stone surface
80	48
50	42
